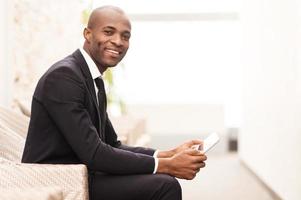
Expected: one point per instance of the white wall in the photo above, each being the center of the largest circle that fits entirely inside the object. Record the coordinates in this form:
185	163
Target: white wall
188	57
270	142
42	33
5	70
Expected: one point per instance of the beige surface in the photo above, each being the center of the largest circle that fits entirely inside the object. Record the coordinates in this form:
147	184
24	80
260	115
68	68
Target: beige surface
31	194
224	178
14	121
71	179
130	129
11	145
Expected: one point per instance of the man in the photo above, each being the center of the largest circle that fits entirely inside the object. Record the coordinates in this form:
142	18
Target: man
69	123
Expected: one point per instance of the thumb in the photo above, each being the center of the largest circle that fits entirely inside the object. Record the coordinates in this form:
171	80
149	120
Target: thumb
195	142
193	152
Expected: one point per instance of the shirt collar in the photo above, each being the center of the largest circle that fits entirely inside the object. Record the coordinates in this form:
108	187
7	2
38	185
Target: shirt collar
91	65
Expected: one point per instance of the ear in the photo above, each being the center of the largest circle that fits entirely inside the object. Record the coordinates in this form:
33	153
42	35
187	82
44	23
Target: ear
87	34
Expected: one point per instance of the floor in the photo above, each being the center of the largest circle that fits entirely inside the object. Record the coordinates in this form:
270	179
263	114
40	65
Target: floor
223	178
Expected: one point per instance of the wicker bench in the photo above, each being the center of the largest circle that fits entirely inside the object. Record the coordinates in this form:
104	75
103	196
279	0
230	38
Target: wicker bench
55	182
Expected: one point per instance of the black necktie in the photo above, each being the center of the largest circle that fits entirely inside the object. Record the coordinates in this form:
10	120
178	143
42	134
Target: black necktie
102	103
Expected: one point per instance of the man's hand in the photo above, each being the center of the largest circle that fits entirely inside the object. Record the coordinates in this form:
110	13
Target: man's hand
182	147
187	145
185	164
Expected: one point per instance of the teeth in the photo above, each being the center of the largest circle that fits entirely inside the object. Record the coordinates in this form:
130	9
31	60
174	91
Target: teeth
112	51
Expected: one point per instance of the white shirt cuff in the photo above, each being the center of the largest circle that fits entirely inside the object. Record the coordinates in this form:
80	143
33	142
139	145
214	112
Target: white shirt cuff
156	161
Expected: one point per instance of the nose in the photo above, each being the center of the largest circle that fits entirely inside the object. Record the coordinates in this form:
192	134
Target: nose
116	39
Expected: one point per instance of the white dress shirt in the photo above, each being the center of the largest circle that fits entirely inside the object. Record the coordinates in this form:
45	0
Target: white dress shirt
96	74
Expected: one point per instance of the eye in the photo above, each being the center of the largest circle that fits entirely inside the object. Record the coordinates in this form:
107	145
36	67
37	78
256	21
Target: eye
108	32
126	37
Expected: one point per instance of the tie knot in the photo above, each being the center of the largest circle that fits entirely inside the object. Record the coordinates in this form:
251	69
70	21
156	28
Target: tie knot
99	83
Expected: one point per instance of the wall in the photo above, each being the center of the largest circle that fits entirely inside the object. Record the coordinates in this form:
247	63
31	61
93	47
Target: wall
42	32
5	70
187	53
270	138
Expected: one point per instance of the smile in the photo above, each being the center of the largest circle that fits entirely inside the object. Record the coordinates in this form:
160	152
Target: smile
113	51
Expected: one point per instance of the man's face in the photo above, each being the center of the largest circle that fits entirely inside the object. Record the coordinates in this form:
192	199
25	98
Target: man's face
109	39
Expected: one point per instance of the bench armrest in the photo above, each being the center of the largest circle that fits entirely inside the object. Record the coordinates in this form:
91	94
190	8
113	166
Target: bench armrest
71	179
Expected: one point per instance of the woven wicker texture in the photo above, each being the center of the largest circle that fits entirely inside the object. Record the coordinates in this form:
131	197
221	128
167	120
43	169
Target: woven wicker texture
16	122
11	145
71	179
45	193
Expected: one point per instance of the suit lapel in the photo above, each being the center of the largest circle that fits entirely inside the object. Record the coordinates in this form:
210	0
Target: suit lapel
89	81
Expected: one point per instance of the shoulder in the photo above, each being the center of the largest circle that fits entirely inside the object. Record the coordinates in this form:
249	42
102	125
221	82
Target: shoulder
67	68
64	75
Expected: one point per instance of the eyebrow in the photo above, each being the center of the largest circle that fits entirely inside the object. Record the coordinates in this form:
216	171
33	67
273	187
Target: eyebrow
112	27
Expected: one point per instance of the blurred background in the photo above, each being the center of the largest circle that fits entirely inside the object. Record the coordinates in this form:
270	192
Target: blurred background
193	67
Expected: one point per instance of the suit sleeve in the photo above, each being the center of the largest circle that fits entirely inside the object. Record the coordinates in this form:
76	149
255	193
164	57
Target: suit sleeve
64	96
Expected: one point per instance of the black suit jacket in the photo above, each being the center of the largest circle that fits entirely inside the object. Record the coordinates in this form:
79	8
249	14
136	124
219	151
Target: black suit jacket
65	125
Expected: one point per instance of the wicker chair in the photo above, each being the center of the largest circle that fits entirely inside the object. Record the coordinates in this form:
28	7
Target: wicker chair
51	182
45	193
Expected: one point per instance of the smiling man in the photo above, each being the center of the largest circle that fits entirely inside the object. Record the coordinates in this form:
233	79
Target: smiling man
69	123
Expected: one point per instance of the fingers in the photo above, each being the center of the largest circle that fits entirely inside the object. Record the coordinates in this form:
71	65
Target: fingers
200	158
198	161
189	175
197	156
202	164
193	152
189	171
196	167
192	173
195	142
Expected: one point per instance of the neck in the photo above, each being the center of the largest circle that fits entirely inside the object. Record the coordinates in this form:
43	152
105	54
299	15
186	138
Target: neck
99	66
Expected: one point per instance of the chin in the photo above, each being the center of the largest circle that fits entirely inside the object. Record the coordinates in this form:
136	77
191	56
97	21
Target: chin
111	64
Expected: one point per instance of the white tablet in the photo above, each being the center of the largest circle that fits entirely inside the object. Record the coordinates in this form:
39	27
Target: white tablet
209	142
